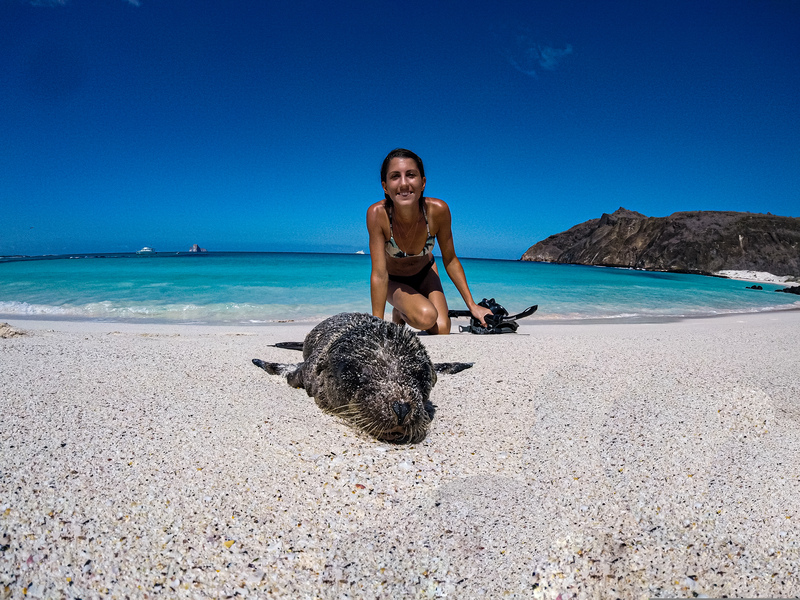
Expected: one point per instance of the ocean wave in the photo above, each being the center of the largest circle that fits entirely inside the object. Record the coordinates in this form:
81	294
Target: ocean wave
25	309
245	313
176	312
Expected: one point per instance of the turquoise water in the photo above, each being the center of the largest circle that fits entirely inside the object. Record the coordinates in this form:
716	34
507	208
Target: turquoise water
224	287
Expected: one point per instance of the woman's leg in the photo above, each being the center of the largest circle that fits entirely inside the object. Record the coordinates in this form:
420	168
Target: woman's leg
432	288
411	307
397	317
442	326
424	309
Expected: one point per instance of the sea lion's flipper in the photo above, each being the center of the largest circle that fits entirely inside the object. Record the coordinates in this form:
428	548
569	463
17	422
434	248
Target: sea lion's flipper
451	368
293	373
271	368
295	378
289	345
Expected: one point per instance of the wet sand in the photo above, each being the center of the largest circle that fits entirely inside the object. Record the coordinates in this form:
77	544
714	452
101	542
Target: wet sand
586	460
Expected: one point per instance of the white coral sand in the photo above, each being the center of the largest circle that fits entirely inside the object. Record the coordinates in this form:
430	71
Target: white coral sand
759	277
590	461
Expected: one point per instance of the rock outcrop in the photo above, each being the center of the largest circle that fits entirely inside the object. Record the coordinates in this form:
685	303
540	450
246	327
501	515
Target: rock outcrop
791	290
695	242
196	248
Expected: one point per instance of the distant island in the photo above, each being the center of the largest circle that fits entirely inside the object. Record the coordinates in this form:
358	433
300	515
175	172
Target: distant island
196	248
704	242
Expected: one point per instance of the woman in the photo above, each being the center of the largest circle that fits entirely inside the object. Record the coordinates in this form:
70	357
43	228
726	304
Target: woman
403	228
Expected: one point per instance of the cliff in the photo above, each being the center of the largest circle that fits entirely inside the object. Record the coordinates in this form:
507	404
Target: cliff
698	241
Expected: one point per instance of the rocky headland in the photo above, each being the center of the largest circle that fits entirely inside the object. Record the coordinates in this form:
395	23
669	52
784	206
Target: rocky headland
704	242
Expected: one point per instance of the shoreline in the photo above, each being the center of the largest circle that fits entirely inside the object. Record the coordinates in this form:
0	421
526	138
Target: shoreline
641	460
75	323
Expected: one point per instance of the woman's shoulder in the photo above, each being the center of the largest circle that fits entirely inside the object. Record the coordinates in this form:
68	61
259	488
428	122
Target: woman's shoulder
377	209
435	202
376	215
436	207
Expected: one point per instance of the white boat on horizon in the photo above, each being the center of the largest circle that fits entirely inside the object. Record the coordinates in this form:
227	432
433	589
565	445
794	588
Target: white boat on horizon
146	250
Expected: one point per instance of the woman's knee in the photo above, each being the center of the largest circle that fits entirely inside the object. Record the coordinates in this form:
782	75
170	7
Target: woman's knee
443	324
425	317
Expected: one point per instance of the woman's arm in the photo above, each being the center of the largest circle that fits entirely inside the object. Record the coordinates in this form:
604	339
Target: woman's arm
379	277
444	235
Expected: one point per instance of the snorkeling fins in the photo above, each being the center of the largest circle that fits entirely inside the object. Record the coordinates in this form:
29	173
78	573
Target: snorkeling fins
498	322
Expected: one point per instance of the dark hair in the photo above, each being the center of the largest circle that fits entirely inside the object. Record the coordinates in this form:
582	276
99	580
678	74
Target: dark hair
402	153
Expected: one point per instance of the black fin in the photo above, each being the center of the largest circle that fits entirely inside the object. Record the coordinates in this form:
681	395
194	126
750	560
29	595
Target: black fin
525	313
289	345
451	368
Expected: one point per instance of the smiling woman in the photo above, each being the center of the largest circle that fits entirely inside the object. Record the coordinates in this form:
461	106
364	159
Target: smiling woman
403	228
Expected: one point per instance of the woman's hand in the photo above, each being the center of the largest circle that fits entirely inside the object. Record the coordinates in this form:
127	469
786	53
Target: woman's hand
480	312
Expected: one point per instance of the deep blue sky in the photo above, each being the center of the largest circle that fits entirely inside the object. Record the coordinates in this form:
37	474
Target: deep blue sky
258	125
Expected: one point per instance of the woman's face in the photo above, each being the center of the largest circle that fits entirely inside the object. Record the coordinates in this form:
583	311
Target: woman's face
404	184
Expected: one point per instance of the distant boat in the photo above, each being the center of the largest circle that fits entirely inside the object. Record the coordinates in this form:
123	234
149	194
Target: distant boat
146	250
360	252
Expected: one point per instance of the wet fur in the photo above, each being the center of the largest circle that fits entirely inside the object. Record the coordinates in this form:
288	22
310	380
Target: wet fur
372	373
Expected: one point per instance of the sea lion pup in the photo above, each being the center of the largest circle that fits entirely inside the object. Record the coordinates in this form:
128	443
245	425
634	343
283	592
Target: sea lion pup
375	374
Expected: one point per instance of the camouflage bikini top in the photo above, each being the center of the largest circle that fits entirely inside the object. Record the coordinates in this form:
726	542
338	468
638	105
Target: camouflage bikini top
393	250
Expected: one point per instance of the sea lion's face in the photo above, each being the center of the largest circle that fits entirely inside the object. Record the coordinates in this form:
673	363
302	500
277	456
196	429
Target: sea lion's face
388	398
374	374
404	184
395	410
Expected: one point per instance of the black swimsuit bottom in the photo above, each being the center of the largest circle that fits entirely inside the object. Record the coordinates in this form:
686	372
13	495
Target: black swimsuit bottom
413	281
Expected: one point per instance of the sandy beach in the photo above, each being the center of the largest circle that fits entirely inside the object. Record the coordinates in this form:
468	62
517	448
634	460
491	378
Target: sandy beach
581	460
758	277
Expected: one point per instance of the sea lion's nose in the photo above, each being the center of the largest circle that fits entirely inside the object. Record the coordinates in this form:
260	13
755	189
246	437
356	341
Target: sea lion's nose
401	409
